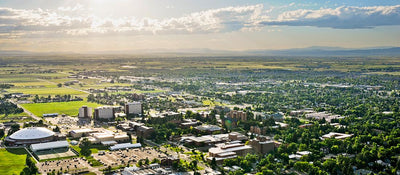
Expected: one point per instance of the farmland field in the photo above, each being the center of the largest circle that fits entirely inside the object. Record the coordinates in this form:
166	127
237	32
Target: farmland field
12	161
22	117
46	91
68	108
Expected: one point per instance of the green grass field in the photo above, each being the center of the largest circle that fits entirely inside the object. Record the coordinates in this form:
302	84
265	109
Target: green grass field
12	161
69	108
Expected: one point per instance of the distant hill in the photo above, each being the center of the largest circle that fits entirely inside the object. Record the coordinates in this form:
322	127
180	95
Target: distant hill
331	51
309	51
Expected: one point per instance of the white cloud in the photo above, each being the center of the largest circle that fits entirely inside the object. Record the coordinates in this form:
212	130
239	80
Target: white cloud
340	18
77	21
32	22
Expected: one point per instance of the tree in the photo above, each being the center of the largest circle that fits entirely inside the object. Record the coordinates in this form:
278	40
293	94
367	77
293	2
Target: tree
194	165
213	163
59	85
1	133
14	128
31	165
56	129
85	147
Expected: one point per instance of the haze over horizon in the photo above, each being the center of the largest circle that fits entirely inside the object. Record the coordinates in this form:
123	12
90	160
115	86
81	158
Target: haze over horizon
101	25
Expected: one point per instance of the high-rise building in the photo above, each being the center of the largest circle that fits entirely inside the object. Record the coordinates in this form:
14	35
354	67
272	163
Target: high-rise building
105	112
133	108
85	112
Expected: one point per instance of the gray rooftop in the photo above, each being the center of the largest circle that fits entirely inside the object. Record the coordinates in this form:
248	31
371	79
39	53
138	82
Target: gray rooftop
49	145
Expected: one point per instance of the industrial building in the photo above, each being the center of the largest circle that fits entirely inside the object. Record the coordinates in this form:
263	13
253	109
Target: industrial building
32	135
133	108
85	112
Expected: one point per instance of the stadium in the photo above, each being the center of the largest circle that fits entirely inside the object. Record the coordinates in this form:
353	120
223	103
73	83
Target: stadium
32	135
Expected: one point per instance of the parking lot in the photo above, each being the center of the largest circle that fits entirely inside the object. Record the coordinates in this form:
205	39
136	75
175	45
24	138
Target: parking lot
128	156
73	165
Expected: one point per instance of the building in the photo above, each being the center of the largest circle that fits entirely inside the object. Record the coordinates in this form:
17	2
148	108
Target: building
125	146
144	131
85	112
187	123
227	151
233	136
206	140
133	108
80	133
299	154
50	146
262	145
106	137
135	125
323	115
337	135
208	128
239	115
301	112
105	112
50	115
32	135
151	169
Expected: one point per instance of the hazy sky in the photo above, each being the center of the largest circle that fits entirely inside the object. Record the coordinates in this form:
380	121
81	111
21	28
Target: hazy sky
110	25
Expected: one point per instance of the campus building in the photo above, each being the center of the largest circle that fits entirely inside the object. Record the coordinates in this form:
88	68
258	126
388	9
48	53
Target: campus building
262	145
32	135
85	112
133	108
227	151
105	112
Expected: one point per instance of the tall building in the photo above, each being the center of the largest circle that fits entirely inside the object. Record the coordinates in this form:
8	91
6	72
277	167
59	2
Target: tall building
239	115
133	108
262	145
105	112
85	112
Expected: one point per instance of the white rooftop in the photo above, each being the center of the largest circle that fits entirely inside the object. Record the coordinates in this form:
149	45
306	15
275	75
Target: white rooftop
49	145
32	133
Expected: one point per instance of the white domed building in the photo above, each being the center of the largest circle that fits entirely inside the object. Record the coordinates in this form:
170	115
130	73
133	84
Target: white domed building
31	135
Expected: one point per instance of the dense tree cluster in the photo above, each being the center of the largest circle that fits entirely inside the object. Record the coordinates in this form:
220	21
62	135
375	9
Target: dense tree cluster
56	98
9	108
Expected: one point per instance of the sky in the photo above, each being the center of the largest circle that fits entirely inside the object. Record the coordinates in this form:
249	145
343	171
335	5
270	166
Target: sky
235	25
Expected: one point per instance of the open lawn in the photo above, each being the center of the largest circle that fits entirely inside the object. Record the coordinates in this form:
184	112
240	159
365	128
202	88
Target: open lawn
68	108
12	160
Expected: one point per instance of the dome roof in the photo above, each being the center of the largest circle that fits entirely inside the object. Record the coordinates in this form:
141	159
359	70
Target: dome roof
32	133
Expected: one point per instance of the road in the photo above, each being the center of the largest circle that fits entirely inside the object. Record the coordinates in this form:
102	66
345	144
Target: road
26	111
